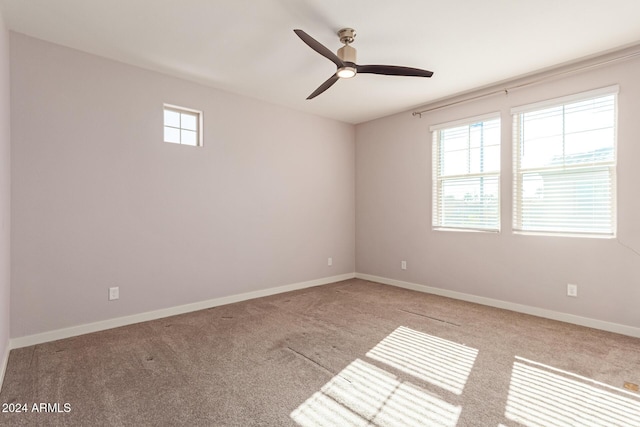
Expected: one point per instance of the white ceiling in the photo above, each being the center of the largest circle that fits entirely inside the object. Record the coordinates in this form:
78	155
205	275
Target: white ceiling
248	46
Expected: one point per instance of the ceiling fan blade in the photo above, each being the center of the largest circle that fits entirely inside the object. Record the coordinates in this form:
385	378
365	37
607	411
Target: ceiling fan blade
393	70
324	86
318	47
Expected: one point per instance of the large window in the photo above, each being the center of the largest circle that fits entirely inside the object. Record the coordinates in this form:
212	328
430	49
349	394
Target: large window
182	125
466	174
565	165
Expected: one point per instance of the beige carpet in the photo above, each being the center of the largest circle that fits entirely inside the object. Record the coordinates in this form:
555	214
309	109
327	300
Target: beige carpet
349	353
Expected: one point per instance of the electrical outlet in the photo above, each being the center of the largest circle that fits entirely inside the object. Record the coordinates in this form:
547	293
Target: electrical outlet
403	265
114	293
329	261
572	290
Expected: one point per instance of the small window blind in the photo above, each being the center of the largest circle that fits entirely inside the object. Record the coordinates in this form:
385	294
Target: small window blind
466	174
565	165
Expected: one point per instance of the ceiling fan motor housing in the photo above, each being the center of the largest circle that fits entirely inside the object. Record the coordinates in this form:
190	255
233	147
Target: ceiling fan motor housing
347	54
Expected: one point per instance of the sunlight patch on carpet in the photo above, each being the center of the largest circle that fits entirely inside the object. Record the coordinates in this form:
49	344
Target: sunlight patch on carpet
541	395
362	393
438	361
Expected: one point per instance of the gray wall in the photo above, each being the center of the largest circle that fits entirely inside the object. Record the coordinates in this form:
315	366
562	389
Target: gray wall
100	200
5	196
393	214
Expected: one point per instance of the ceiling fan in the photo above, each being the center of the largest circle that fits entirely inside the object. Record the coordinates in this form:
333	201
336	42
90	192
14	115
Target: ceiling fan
345	60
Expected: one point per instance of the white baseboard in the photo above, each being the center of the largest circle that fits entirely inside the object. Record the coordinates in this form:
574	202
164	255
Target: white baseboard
520	308
166	312
201	305
4	360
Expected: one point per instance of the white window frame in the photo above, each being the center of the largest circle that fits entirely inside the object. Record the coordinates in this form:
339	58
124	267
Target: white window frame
518	171
184	111
439	220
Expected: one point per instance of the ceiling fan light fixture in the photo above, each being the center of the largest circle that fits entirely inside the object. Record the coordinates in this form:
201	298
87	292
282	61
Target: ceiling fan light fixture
346	72
345	61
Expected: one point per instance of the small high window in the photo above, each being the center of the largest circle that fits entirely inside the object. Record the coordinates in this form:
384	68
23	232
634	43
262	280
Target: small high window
182	125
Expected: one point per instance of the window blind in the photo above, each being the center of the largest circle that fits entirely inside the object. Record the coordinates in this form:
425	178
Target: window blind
565	166
466	174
